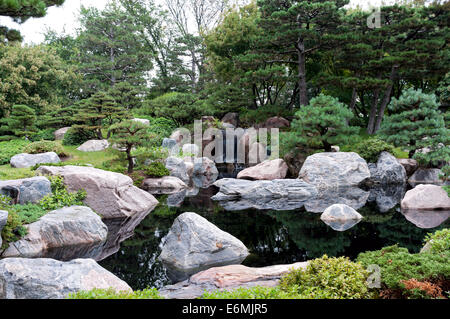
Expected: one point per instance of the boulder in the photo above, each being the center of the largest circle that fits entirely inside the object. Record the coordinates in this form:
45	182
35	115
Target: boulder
194	244
387	170
426	197
27	190
426	176
387	196
409	164
327	170
94	146
163	185
191	149
275	122
335	148
204	172
171	145
340	217
178	136
177	168
112	195
231	118
234	189
28	160
295	160
143	121
3	221
267	170
62	234
59	134
44	278
228	278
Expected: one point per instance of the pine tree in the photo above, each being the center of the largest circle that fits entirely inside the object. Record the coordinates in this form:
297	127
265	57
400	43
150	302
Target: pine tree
22	121
323	122
416	123
127	135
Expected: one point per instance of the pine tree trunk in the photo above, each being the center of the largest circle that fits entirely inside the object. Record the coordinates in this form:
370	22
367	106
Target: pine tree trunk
373	112
386	99
353	100
303	93
130	160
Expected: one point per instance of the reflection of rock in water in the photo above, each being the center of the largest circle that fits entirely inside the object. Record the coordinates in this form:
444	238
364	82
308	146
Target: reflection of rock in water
175	200
281	204
119	229
426	218
387	196
204	181
354	197
341	225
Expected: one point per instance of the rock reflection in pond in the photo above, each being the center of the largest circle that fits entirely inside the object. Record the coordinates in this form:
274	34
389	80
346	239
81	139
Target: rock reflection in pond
426	219
341	225
354	197
281	204
387	196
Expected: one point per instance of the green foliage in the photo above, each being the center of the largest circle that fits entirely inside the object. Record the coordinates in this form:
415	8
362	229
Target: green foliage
21	121
329	278
398	264
156	169
445	176
44	147
164	211
110	293
251	117
370	148
10	148
416	123
439	241
251	293
60	197
47	134
447	189
77	137
323	123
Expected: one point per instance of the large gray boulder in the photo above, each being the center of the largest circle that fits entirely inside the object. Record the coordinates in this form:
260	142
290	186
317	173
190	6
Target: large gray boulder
387	170
234	189
267	170
44	278
27	190
3	221
177	168
327	170
426	176
112	195
426	197
409	164
171	145
194	244
63	234
204	172
164	185
94	146
228	278
340	217
28	160
59	134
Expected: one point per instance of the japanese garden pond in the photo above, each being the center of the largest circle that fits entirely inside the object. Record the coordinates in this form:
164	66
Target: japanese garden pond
272	236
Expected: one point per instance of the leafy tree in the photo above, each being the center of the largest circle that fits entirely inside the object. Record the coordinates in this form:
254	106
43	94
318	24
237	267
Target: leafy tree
127	135
416	123
20	11
323	122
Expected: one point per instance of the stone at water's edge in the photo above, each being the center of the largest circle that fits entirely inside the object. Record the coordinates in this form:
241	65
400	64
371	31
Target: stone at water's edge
63	234
112	195
177	168
94	146
409	164
228	278
426	176
163	185
340	217
387	170
426	197
267	170
326	170
59	134
44	278
204	172
233	189
25	160
27	190
3	221
194	244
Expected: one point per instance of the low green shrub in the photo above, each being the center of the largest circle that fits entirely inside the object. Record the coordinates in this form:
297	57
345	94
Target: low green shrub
447	189
77	136
251	293
47	135
328	278
112	294
370	148
397	264
10	148
44	147
439	241
60	197
251	117
156	169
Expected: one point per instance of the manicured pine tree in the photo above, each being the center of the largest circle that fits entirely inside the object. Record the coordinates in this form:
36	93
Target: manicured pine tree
127	135
22	121
324	122
416	123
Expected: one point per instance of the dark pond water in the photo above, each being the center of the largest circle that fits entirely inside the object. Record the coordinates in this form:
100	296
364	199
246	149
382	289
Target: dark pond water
273	237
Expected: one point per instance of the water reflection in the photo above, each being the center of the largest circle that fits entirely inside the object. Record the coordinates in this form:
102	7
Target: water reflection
426	219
